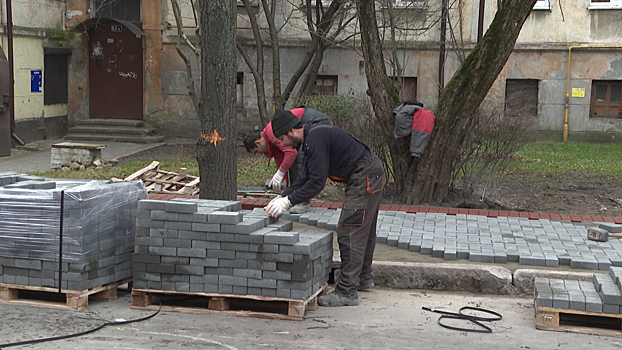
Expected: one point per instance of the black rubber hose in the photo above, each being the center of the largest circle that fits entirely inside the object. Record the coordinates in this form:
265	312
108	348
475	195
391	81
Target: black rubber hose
36	341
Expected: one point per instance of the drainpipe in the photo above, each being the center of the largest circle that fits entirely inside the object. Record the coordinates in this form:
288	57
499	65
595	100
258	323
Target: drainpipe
567	103
9	32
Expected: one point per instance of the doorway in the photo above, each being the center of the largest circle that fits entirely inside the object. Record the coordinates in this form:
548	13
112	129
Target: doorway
115	72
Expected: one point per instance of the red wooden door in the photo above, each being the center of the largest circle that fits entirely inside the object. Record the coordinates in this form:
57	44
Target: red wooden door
115	73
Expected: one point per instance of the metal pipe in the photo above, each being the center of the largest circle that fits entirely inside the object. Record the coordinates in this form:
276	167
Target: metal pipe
567	103
441	56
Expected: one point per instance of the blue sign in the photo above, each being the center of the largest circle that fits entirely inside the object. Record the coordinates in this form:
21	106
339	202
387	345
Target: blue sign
36	81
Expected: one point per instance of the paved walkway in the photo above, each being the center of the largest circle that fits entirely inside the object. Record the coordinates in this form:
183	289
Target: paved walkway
37	156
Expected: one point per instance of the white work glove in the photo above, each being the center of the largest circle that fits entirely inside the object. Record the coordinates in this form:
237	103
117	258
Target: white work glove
275	183
278	206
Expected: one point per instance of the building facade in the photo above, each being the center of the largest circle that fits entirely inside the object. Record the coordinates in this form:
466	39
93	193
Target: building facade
120	60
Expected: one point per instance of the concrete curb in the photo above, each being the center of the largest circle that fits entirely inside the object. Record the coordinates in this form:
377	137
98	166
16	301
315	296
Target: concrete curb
484	279
450	277
523	278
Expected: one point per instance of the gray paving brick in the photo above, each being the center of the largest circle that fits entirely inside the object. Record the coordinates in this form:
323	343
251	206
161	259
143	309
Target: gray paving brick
225	217
181	207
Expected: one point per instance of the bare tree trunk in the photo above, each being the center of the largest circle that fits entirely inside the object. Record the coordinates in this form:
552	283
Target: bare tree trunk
216	148
384	96
461	97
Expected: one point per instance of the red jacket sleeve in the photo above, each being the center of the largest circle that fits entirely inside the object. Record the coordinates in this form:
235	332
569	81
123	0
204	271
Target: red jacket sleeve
284	156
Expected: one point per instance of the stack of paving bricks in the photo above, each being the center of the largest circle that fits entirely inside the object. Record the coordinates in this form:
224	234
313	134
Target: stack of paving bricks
601	295
97	234
208	246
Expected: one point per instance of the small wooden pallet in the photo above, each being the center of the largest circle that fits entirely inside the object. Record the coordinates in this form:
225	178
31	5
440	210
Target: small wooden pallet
574	321
166	182
50	297
228	304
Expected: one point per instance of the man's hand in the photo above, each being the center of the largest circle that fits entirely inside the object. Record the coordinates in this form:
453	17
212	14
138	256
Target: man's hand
275	183
277	206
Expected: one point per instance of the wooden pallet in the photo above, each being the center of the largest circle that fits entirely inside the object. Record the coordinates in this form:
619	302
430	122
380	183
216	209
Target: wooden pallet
166	182
227	304
574	321
50	297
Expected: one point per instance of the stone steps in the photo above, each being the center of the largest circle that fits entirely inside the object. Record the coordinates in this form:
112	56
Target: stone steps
113	130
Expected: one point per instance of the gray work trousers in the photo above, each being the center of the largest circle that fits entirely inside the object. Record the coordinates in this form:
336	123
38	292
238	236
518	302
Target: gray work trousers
356	232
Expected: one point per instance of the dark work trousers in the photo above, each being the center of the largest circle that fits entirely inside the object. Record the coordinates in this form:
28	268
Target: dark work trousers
356	232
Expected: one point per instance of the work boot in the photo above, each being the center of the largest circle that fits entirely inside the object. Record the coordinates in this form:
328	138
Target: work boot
299	208
366	286
339	298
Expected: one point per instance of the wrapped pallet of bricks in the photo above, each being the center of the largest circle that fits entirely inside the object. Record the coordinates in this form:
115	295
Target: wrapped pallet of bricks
70	234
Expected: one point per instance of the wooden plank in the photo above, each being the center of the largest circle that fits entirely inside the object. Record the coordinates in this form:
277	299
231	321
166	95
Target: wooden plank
50	297
230	304
143	171
189	187
576	321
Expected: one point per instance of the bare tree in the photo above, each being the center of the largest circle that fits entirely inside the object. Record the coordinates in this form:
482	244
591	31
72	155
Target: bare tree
216	148
427	180
324	24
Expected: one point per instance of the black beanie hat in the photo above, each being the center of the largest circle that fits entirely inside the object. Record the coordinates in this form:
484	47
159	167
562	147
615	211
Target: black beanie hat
283	121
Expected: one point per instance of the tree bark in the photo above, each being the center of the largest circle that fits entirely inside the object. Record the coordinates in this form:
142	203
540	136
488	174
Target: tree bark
216	147
459	100
384	96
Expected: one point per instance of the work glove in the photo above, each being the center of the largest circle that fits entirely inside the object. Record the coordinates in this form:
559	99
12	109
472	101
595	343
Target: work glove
278	206
275	183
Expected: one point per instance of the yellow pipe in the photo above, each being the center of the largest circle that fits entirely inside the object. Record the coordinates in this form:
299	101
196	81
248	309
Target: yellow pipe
565	132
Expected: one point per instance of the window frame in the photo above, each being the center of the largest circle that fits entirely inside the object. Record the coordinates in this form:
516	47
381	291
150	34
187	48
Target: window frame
411	4
542	5
604	5
334	78
605	104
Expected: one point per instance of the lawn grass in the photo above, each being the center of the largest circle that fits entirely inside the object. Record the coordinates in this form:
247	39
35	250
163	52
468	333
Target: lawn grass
252	170
563	161
568	160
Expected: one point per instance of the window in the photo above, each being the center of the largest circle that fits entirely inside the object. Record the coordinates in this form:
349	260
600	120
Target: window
408	89
542	5
240	90
55	87
606	99
127	10
325	85
521	97
604	4
416	4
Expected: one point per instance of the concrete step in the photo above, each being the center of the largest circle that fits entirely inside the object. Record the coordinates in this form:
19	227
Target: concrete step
111	130
110	122
115	138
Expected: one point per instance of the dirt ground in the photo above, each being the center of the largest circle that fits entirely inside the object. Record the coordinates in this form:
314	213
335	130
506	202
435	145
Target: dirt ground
573	195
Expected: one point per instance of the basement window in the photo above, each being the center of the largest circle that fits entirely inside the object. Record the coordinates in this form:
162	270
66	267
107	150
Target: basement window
606	101
325	85
521	97
604	4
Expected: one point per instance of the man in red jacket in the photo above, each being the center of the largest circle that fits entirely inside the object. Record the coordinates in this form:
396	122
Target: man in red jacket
288	160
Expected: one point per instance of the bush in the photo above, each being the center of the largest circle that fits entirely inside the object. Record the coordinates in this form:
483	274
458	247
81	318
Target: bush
490	145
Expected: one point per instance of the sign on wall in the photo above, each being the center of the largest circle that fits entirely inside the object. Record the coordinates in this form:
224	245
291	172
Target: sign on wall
36	81
578	92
